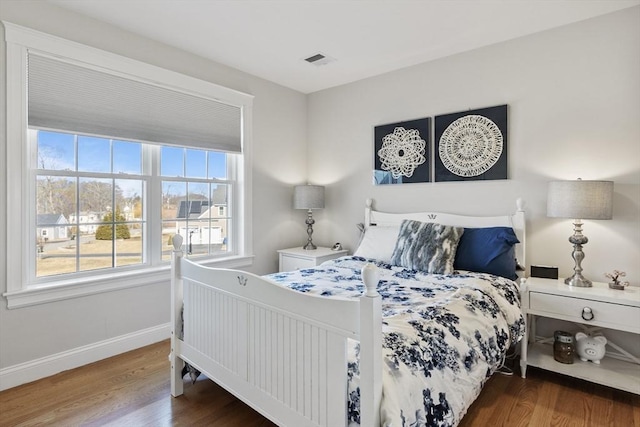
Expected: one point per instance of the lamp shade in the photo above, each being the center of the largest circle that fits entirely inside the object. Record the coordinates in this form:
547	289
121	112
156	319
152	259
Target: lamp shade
580	199
308	197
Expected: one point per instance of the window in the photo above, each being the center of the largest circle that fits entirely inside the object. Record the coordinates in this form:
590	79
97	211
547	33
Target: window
94	185
194	182
113	157
97	186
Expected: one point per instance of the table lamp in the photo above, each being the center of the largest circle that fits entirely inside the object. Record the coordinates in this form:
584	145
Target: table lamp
308	197
579	200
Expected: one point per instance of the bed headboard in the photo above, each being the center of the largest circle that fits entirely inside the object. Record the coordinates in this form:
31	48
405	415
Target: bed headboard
515	220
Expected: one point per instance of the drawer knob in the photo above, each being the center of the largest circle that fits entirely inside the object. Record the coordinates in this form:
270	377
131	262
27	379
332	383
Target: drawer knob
587	313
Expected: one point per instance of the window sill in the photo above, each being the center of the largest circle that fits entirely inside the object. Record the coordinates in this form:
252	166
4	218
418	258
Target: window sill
65	290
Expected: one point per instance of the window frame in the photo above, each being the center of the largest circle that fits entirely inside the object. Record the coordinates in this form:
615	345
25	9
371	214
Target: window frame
20	220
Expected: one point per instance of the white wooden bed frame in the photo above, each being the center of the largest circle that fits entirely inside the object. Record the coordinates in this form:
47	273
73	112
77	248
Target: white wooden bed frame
283	352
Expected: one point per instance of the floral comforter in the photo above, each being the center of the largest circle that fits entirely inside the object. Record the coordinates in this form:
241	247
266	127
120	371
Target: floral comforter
443	335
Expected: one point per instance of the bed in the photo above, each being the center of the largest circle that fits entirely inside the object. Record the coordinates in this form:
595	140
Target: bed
406	331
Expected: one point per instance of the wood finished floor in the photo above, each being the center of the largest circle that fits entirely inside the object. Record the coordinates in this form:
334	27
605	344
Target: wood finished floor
132	389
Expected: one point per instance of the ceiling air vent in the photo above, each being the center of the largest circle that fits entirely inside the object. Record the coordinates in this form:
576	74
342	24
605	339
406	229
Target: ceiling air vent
319	59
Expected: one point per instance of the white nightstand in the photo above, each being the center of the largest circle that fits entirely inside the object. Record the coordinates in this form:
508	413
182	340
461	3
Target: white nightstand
591	309
297	258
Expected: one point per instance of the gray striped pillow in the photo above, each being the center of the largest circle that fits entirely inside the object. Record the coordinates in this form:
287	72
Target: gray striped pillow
426	246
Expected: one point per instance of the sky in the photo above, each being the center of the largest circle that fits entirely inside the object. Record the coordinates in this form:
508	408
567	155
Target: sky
57	151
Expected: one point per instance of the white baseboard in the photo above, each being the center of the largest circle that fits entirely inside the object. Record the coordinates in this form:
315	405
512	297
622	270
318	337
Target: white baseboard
50	365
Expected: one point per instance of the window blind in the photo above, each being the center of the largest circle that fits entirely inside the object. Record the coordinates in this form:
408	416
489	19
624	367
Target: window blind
74	98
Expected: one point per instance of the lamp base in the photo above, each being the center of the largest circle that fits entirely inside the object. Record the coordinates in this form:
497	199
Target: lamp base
579	281
578	239
309	246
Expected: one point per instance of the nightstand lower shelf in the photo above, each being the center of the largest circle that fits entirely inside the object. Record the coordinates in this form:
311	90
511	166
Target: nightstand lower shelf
611	372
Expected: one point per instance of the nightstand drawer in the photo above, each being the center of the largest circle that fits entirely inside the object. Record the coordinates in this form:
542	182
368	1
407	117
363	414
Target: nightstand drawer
605	314
289	263
299	258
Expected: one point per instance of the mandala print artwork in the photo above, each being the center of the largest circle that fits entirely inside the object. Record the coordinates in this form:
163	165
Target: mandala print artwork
472	145
401	152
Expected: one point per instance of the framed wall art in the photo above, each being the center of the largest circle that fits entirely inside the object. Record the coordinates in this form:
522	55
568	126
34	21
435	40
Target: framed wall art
471	145
401	152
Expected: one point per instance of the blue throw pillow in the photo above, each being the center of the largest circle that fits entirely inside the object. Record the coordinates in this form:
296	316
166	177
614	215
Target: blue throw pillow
488	250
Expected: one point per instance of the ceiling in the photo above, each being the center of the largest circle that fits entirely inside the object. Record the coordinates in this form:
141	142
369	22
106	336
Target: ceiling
271	38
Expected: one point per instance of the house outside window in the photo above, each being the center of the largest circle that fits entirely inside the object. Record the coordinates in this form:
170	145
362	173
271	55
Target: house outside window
102	191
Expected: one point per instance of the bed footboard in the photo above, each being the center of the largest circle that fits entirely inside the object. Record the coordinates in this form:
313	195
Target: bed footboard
282	352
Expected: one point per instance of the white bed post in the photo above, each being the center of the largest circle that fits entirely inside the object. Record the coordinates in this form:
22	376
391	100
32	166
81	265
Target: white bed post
519	226
370	348
367	213
176	321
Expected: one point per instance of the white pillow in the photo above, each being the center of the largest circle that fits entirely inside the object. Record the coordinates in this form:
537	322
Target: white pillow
378	243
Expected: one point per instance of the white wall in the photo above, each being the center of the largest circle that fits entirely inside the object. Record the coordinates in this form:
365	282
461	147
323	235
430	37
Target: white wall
574	111
27	335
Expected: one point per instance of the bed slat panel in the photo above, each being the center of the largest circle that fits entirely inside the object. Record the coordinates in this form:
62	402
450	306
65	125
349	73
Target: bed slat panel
220	330
289	359
277	353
